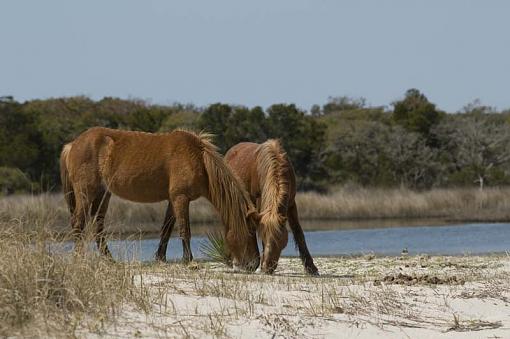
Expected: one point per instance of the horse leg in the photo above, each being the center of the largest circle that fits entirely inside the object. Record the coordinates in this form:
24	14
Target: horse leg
78	224
272	251
98	212
299	239
166	232
78	220
266	266
181	210
262	256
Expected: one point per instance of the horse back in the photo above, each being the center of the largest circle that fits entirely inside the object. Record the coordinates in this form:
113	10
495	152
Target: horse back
241	158
140	166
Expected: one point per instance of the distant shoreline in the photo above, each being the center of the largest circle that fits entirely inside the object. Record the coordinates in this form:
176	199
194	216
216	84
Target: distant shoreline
344	208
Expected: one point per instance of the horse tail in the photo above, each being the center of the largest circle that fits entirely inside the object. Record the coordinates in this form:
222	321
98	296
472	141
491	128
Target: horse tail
67	187
226	192
272	168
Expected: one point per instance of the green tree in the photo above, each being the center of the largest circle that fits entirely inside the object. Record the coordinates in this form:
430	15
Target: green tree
147	118
343	103
303	138
215	119
246	124
13	180
416	113
186	119
56	121
233	124
357	153
20	139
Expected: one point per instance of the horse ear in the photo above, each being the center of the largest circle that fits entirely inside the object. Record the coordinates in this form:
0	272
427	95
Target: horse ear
252	213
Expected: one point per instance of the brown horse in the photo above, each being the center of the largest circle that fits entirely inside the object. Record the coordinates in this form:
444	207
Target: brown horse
269	177
179	167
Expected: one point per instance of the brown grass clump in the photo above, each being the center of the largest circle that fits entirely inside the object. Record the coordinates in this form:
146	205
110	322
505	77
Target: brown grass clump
51	292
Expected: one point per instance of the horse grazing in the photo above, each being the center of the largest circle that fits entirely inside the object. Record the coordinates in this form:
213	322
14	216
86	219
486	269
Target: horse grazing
179	167
269	177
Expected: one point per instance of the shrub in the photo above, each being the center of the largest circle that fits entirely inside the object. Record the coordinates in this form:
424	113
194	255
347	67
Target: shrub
215	248
13	180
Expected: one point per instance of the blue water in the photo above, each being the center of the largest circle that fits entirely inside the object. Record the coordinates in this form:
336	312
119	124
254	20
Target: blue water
447	240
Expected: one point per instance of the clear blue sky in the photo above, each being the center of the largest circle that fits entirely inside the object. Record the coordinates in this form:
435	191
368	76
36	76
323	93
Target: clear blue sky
257	52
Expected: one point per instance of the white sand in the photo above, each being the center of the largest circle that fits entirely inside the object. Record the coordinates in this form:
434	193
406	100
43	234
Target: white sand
211	301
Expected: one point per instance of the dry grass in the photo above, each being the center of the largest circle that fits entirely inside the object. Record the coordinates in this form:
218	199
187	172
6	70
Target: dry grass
493	204
472	325
123	217
43	291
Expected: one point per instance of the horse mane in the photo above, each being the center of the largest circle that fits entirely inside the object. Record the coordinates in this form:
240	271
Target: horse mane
226	192
272	166
205	138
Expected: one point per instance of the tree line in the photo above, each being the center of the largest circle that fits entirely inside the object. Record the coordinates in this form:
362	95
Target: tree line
411	143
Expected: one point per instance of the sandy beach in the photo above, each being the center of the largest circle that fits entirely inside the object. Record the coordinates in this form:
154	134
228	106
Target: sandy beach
355	297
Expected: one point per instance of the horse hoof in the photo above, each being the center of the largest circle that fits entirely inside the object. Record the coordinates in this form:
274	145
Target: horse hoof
312	272
186	261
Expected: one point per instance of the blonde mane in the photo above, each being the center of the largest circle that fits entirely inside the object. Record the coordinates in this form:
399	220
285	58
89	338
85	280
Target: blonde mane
225	190
272	166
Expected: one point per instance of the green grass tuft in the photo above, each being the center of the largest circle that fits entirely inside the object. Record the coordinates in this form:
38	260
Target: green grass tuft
215	248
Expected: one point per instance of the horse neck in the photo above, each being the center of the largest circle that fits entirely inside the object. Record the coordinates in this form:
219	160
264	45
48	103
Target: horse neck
227	195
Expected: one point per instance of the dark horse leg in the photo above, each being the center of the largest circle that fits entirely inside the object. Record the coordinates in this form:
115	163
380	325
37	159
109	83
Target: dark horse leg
166	232
181	210
299	239
98	211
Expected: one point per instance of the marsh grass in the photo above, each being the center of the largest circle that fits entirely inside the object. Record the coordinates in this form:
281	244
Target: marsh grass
459	204
492	204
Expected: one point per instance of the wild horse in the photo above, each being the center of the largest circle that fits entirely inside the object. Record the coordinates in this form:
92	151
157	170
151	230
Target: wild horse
179	167
268	176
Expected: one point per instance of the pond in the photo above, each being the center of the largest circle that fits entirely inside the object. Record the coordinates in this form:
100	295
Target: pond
480	238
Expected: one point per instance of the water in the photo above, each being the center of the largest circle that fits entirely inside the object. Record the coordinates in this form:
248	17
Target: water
446	240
